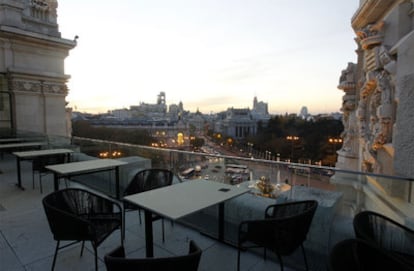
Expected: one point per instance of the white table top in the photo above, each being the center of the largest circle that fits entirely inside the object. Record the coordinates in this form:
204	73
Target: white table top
27	154
179	200
23	144
85	166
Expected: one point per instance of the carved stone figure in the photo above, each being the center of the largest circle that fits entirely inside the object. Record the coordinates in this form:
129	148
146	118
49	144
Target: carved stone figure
347	84
376	105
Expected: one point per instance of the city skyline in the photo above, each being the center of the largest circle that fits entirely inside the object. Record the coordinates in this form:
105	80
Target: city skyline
210	55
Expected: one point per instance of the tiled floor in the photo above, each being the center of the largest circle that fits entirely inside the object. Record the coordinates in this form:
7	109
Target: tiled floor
26	242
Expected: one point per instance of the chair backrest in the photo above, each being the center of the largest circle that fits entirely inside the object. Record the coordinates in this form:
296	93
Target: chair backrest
357	254
149	179
384	232
288	224
116	260
67	211
40	162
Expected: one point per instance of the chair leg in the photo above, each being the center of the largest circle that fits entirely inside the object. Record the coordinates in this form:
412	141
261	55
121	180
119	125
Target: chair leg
304	257
280	261
96	257
83	245
122	236
66	182
54	256
123	226
33	179
40	183
163	234
238	258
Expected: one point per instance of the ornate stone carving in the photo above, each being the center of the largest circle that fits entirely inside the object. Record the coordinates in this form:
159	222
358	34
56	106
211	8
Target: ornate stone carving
38	87
45	10
371	35
347	79
376	109
24	85
53	5
347	82
55	88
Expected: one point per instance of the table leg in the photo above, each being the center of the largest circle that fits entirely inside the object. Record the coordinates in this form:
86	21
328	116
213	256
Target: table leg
117	183
56	181
19	174
148	234
221	222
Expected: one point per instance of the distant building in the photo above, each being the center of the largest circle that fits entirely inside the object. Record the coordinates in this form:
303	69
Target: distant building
242	122
159	108
121	114
238	123
198	121
260	110
304	113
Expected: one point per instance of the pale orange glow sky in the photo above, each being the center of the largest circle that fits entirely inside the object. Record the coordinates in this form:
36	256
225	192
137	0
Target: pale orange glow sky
210	55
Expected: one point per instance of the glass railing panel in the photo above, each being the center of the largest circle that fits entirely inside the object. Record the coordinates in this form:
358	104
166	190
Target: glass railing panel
341	193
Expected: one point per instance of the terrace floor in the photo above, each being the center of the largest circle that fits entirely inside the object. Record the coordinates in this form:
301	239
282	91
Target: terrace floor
26	242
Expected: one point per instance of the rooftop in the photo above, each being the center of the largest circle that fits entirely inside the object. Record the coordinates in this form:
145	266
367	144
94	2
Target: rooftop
26	242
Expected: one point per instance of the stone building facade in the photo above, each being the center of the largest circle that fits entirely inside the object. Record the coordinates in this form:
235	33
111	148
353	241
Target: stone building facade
32	77
378	109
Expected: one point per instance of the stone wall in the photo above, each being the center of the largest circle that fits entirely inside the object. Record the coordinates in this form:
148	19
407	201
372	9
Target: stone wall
32	66
378	110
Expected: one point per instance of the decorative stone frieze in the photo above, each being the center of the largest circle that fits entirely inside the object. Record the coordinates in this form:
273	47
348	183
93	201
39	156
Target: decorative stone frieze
371	35
44	10
375	114
347	83
35	86
376	106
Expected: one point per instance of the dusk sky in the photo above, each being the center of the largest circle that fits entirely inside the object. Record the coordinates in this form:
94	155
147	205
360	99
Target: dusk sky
209	54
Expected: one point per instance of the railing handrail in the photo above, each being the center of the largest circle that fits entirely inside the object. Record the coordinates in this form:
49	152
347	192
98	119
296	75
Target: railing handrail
272	162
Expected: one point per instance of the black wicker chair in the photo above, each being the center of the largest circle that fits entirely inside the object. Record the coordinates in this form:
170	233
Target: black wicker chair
283	230
145	180
116	261
39	164
385	233
80	215
359	255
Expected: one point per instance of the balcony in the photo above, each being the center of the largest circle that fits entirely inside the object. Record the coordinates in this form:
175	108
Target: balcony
26	242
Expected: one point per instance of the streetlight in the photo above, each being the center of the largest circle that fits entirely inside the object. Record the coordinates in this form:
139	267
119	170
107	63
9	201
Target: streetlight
334	141
292	139
250	148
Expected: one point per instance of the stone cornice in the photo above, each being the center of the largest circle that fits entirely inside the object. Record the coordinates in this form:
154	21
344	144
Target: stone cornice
59	42
11	3
35	74
372	11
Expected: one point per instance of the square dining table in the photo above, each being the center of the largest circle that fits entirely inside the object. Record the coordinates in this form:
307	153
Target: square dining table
86	167
31	155
178	200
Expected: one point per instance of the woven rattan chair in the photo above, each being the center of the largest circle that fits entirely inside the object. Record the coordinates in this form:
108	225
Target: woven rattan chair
283	229
145	180
385	233
359	255
41	162
79	215
116	261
